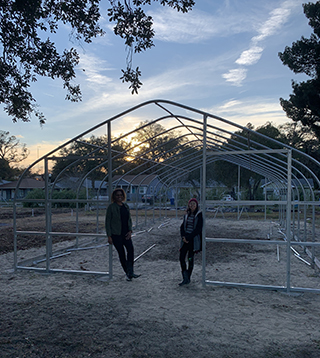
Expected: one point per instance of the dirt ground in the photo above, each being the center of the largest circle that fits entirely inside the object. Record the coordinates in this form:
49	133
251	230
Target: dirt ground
65	315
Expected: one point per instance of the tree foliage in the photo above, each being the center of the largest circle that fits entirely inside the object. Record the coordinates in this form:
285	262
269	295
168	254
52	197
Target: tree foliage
11	150
28	50
6	172
298	136
156	144
90	155
65	194
303	57
227	172
11	153
292	133
151	145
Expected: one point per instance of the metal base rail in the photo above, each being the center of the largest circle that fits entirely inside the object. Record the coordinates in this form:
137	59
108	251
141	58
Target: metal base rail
287	289
262	287
75	272
27	264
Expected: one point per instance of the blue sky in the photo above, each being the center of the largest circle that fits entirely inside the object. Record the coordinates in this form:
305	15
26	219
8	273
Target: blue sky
222	57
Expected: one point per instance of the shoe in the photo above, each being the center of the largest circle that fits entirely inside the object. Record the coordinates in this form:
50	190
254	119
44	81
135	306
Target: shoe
135	276
128	278
186	279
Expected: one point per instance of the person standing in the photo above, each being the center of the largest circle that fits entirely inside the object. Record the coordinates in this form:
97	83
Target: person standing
191	239
119	229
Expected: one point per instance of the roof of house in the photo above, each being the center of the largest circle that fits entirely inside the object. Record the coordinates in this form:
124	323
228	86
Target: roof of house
140	179
73	182
294	182
4	182
28	183
303	182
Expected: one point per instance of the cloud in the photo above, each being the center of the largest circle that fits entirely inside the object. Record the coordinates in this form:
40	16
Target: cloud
270	27
257	111
92	68
235	76
176	82
250	57
196	26
230	104
276	20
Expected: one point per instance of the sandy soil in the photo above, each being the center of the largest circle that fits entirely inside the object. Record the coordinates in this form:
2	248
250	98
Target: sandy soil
64	315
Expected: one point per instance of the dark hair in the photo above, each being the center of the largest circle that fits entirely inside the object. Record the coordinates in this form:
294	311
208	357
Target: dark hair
113	195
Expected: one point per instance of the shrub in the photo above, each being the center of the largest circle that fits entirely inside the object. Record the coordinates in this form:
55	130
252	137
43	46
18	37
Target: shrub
65	194
34	194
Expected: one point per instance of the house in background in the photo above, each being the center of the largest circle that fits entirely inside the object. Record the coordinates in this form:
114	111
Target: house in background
214	189
273	191
137	187
141	187
7	190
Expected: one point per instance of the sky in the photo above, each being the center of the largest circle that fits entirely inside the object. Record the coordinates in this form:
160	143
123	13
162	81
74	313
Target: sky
222	57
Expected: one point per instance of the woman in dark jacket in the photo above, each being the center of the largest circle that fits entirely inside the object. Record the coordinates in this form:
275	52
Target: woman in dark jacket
191	238
119	230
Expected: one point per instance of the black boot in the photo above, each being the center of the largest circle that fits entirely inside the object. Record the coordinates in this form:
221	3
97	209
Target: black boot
189	275
129	271
186	279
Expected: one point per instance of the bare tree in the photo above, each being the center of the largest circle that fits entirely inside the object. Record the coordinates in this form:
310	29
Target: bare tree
11	150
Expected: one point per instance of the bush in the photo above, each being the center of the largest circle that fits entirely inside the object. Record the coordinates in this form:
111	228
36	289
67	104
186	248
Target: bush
68	194
39	194
34	194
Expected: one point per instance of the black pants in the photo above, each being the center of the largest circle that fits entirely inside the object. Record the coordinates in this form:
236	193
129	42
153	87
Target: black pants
187	249
120	242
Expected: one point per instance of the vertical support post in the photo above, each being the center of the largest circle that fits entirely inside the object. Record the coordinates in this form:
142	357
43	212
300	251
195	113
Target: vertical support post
15	238
160	203
238	191
97	216
109	188
288	217
109	162
137	200
313	234
203	197
293	220
47	209
77	220
176	199
305	221
145	207
155	190
265	199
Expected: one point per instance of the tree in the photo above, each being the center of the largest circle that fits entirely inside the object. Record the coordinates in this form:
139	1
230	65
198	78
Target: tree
156	144
6	171
11	152
227	172
303	57
298	136
28	52
90	155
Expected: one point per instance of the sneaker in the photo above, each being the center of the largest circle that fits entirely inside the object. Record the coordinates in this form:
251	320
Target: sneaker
135	276
128	278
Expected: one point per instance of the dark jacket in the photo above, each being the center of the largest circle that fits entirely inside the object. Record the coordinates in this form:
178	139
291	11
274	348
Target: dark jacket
113	219
195	237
